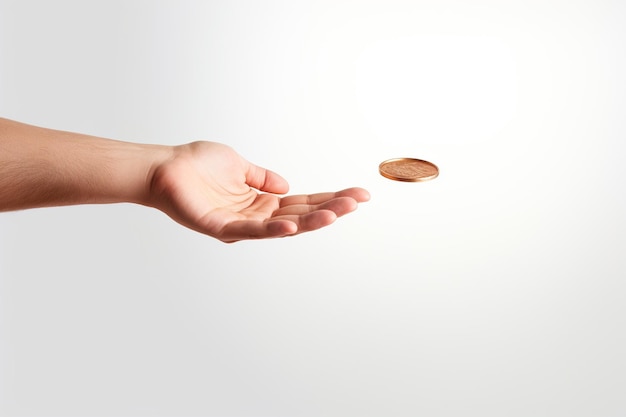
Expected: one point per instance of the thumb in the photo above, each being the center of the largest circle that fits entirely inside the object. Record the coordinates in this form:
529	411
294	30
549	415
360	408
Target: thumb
265	180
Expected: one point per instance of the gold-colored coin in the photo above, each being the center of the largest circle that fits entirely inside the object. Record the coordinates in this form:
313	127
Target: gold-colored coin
408	169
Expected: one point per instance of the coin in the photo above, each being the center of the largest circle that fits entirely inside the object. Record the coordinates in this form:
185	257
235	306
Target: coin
408	169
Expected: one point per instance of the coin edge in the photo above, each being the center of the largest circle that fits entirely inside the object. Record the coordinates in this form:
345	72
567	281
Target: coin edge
407	179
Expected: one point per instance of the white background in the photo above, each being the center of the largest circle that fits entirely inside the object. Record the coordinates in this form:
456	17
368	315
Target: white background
497	289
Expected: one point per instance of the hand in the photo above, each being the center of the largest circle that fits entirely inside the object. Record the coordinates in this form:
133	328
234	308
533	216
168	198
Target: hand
208	187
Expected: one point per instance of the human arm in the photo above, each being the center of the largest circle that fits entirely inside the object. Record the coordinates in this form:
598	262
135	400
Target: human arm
205	186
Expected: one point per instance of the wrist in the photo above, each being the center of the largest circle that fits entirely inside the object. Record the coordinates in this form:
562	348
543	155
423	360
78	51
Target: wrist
137	172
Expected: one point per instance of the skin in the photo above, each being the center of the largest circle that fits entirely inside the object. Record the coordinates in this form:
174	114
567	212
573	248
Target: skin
205	186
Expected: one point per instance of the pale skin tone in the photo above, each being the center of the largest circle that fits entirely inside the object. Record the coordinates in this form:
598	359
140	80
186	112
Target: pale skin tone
205	186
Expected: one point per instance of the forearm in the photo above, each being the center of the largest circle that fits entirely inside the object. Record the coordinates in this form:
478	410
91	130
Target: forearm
43	167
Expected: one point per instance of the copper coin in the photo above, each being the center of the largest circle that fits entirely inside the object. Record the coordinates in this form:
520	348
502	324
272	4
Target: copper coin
408	169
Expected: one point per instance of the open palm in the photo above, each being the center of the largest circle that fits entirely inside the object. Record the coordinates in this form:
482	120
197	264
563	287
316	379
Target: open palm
210	188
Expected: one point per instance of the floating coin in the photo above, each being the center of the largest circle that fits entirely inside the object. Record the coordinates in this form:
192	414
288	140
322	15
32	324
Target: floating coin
408	169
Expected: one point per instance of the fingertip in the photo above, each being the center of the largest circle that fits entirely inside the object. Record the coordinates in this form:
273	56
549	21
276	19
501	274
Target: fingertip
352	205
318	219
274	183
282	228
360	195
365	196
342	205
